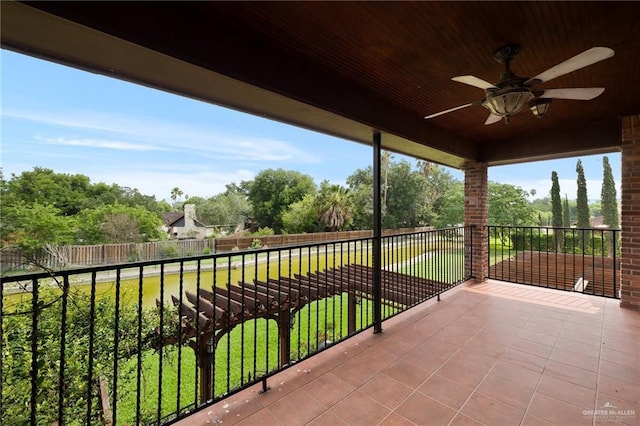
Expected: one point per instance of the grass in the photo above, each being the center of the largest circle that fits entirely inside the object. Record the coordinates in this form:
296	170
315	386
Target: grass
443	266
250	350
238	359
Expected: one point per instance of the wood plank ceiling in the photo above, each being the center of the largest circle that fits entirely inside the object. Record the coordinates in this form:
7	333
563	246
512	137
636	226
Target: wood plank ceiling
348	68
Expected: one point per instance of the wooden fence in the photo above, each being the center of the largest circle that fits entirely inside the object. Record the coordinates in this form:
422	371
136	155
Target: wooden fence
242	242
105	254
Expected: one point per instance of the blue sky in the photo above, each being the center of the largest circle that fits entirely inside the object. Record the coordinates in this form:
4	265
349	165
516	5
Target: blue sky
73	121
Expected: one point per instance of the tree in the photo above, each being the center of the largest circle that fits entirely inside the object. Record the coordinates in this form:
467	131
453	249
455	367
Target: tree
360	184
608	196
121	228
451	211
82	316
542	205
582	207
31	226
176	193
425	167
334	207
385	161
225	211
508	205
301	216
438	183
609	202
556	201
556	212
273	191
71	194
405	196
118	224
67	193
582	201
566	213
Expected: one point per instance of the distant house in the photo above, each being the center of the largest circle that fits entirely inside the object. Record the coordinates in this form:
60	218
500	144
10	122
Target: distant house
184	225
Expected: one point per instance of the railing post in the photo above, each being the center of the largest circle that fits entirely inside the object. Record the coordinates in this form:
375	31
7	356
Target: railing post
614	258
377	235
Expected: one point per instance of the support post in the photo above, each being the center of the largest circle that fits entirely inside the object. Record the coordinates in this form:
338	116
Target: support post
476	218
284	336
377	235
351	312
206	352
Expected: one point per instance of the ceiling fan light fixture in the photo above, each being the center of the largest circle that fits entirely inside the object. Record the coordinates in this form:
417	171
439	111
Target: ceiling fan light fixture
540	106
507	103
510	95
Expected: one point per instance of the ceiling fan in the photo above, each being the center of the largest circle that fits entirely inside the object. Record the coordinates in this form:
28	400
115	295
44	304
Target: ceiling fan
509	95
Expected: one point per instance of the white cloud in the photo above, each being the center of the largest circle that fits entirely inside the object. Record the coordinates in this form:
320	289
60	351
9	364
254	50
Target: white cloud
101	143
149	133
75	119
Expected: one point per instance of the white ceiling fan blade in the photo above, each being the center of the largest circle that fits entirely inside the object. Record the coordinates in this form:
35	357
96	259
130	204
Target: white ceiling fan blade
474	81
450	110
492	119
586	58
577	93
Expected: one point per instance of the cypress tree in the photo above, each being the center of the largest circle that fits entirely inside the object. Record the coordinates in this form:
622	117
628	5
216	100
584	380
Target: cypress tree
609	203
556	201
582	202
566	213
582	207
556	210
608	196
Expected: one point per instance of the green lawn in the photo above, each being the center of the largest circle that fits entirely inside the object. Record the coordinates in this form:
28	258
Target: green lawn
249	350
238	359
443	266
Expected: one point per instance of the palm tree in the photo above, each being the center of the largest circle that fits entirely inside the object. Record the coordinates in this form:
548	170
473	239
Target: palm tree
334	205
175	194
425	167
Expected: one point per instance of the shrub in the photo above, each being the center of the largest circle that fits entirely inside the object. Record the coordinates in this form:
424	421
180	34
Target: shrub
256	244
16	356
263	232
170	250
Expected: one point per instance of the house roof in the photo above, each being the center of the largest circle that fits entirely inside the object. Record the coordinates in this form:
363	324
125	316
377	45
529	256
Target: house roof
351	68
170	218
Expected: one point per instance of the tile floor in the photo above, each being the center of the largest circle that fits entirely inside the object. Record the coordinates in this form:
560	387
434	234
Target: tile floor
489	353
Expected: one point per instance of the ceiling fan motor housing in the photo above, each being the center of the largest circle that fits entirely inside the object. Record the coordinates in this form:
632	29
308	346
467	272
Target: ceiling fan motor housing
508	97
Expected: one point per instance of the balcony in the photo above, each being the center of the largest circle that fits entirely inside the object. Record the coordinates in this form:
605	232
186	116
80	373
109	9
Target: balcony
296	322
491	353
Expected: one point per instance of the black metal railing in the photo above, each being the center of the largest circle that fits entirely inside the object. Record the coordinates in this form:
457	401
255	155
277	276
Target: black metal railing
584	260
150	342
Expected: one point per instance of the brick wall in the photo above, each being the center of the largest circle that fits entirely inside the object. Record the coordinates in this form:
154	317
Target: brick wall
630	217
476	213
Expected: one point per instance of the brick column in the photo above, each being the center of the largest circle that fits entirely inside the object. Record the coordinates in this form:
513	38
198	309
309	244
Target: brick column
476	213
630	217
